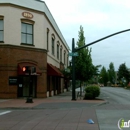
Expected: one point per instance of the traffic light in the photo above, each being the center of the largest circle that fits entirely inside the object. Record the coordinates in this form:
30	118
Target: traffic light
29	69
25	69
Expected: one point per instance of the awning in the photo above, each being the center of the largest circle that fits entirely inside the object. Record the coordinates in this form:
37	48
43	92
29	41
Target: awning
53	71
31	68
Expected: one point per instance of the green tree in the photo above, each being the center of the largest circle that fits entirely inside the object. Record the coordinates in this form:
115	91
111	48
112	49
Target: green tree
123	74
83	62
103	76
111	73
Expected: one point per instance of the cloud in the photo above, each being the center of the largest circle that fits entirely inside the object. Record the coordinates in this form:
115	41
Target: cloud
99	18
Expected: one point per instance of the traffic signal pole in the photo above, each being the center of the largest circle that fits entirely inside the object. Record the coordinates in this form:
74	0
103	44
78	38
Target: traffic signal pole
73	71
76	49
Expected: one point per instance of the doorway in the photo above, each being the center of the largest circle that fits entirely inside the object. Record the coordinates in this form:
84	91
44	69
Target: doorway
27	86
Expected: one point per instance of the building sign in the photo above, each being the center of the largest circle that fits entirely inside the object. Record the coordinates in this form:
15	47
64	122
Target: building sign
13	80
27	15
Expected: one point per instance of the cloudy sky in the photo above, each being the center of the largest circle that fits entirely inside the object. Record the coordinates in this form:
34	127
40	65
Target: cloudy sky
99	18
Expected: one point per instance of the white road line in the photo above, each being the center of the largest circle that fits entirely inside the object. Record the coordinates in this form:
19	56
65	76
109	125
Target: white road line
2	113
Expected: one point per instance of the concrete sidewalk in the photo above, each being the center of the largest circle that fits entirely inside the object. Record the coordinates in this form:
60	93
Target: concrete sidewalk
53	113
63	98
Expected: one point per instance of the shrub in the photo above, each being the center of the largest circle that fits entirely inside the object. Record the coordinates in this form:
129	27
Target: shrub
88	96
92	90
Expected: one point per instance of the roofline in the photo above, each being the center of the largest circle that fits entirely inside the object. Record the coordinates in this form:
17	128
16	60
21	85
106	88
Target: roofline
53	23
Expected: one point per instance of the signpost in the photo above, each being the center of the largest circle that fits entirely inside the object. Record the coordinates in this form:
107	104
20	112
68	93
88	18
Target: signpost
73	54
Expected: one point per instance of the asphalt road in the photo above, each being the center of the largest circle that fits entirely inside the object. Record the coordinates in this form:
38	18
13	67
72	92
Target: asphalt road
115	110
116	95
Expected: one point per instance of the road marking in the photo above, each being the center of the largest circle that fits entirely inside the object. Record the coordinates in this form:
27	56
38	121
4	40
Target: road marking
2	113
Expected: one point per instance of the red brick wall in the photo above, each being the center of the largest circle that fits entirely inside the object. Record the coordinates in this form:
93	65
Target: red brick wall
10	56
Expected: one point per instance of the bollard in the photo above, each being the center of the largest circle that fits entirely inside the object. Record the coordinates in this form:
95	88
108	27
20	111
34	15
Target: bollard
29	100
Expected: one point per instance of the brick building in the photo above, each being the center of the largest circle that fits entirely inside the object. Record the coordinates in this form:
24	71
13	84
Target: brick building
32	50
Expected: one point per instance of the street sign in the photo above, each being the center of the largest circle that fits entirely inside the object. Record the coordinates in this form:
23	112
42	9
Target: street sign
73	54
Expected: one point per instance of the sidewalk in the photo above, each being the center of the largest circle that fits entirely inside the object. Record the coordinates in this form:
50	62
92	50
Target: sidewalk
61	98
56	113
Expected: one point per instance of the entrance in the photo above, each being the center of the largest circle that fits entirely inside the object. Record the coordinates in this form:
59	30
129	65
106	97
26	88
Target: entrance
27	86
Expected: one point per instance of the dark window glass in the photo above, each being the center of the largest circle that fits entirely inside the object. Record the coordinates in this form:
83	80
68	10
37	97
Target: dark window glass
61	54
57	51
53	40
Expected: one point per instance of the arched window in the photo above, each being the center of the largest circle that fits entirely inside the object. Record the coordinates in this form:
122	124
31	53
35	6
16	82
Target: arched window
58	47
64	56
47	39
61	53
53	44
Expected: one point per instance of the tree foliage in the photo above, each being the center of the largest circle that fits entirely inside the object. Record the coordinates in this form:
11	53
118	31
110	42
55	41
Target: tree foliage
123	73
111	73
83	63
103	76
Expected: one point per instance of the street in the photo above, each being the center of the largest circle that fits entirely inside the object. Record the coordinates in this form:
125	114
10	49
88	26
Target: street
116	95
59	113
116	108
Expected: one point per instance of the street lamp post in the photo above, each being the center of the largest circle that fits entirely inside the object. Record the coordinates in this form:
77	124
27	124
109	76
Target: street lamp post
76	49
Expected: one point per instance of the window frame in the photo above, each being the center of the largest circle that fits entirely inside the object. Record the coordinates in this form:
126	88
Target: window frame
47	39
53	45
2	30
27	34
58	47
64	57
61	53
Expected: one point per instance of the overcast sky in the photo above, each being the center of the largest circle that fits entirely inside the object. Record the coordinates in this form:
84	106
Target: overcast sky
99	18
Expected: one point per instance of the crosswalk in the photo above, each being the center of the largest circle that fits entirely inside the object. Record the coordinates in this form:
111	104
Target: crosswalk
4	112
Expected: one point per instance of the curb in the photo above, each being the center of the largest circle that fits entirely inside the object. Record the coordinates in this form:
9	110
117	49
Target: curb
105	102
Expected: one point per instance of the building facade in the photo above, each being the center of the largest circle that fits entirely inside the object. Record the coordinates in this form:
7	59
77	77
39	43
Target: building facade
33	51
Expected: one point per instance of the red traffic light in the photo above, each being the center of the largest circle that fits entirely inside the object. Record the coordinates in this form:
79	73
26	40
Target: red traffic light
24	69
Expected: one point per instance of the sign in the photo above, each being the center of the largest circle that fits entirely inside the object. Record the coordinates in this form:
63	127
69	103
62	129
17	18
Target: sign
20	85
73	54
122	124
27	15
13	80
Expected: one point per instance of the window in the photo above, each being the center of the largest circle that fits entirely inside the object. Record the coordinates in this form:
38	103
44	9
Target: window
27	34
67	61
47	39
1	30
53	48
64	56
57	51
61	54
